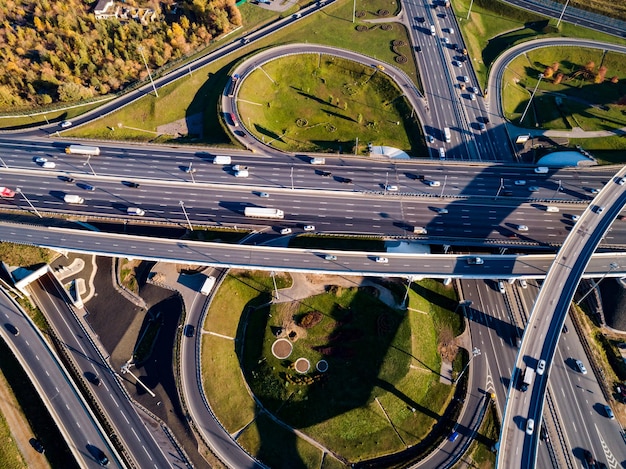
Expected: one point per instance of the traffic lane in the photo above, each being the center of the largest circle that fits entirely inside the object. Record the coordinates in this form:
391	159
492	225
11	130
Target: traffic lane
114	402
71	415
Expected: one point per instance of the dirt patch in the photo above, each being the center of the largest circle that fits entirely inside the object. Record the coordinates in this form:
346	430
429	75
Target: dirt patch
447	347
189	126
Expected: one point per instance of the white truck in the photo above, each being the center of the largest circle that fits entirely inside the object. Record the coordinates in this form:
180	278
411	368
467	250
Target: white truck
6	192
208	284
432	29
527	379
82	150
446	134
73	199
242	173
317	160
263	212
221	160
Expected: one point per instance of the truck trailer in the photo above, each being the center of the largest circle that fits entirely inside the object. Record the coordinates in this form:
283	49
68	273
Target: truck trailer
73	199
82	150
263	212
208	284
446	134
527	379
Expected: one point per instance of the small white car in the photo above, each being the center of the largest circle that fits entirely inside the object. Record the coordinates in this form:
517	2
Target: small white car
264	195
442	211
44	163
430	138
581	367
533	189
621	181
434	183
523	283
475	261
472	97
456	63
382	260
446	40
593	190
391	187
309	228
285	231
530	426
522	228
520	182
541	367
65	124
465	79
330	257
501	287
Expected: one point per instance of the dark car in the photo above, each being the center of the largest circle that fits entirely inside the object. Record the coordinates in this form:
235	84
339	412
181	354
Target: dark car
87	187
131	184
93	378
414	176
418	48
346	180
12	329
565	329
453	436
326	174
589	459
98	455
67	179
189	330
35	443
543	433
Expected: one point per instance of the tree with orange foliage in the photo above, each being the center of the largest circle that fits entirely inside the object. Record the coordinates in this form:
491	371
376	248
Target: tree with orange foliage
614	79
558	79
590	67
600	75
548	72
555	66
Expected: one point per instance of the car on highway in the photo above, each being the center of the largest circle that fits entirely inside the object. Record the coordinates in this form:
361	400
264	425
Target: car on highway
475	261
465	79
520	182
190	169
446	40
285	231
189	330
565	330
382	260
441	211
507	192
44	163
609	412
65	124
541	367
581	367
453	436
132	184
430	138
67	179
574	217
501	288
589	459
330	257
309	228
533	189
345	181
326	174
521	227
391	187
482	126
456	63
472	97
599	209
523	283
621	181
264	195
415	176
93	378
543	433
12	329
434	183
87	187
530	426
593	190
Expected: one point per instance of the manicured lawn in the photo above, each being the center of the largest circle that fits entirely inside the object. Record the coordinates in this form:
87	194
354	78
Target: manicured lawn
379	358
318	103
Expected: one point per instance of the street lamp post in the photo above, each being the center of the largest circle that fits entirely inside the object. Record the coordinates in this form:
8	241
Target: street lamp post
406	294
19	191
190	170
475	353
470	9
558	189
140	49
500	188
182	205
88	163
562	13
273	274
531	98
612	266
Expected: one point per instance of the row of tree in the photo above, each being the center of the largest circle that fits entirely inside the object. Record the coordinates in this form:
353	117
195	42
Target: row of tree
57	51
588	72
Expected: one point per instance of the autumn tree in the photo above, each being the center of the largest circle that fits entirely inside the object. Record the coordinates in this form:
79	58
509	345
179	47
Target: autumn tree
558	78
555	66
601	74
548	72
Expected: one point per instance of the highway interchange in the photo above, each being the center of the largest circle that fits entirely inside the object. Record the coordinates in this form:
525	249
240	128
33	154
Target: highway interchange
211	196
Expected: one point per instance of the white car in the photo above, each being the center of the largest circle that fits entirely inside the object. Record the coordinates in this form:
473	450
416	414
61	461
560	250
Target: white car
475	261
442	211
501	287
309	228
456	63
522	228
264	195
239	167
533	189
530	426
523	283
472	97
65	124
621	181
330	257
574	217
285	231
44	163
434	183
482	126
391	187
382	260
581	367
465	79
430	138
446	40
541	367
520	182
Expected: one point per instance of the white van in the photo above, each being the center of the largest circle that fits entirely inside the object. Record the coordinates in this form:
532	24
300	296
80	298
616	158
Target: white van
552	208
221	160
73	199
432	29
541	169
135	211
442	154
317	160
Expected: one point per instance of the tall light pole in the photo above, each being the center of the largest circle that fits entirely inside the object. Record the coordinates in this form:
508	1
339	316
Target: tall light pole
470	9
612	266
89	164
475	353
182	205
140	49
562	13
353	11
19	191
531	98
273	274
558	189
500	188
406	294
190	170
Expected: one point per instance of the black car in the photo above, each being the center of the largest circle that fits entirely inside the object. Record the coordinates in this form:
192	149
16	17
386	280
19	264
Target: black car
93	378
189	330
346	180
98	455
12	329
418	48
67	179
589	459
326	174
36	444
565	330
131	184
419	177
